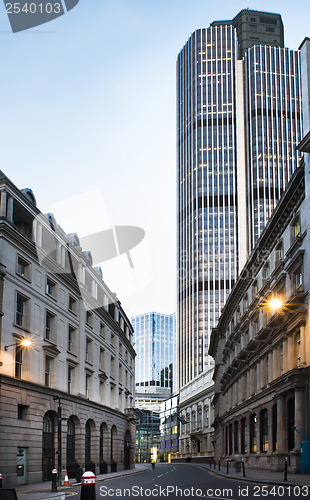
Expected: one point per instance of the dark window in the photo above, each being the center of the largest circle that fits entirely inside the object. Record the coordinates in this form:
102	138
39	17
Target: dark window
23	268
47	380
253	433
268	20
71	441
18	361
274	428
264	430
50	287
87	442
20	309
22	412
244	437
72	304
290	424
70	378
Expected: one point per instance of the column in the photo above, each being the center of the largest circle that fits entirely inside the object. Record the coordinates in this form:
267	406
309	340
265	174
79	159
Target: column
3	204
290	353
281	430
299	416
10	209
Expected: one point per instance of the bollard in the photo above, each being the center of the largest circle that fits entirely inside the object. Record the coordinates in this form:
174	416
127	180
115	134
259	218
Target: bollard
0	480
227	466
285	470
219	464
54	480
243	468
88	491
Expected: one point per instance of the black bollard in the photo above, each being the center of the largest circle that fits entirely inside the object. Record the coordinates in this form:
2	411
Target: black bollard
54	480
219	464
88	491
0	480
285	470
214	463
227	466
243	468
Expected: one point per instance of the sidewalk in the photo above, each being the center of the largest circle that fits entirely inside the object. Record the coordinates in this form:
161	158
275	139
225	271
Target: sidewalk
258	475
40	491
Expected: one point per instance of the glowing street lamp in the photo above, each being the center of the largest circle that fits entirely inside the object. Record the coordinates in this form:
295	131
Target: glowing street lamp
275	304
24	342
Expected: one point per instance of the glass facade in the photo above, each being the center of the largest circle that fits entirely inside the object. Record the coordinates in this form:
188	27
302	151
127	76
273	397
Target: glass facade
239	122
207	195
273	127
155	341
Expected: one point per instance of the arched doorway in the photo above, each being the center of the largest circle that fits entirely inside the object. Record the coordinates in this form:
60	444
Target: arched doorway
127	450
103	448
89	465
113	449
72	464
48	447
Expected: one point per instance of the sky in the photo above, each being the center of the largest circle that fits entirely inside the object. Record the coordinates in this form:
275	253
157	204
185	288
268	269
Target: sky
88	122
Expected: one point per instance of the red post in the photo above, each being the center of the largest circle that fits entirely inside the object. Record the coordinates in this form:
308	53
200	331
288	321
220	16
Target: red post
88	491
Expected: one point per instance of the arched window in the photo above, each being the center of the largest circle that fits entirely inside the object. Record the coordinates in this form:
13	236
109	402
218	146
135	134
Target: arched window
253	433
48	447
87	442
70	441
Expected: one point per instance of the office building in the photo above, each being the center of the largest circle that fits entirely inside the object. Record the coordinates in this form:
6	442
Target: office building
239	121
77	367
155	346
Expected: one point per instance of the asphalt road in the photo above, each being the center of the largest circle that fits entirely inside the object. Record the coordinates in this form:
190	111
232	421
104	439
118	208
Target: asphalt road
183	481
190	481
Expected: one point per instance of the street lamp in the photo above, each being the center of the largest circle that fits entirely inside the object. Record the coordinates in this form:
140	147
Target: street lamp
60	419
23	342
275	304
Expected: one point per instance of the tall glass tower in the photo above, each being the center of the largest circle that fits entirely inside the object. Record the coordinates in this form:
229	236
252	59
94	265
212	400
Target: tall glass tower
155	341
239	121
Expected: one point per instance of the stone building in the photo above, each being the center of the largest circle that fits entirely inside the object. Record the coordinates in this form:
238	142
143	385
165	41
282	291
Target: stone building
261	344
67	399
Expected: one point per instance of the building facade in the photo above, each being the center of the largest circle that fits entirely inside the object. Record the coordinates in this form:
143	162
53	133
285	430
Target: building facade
239	121
77	374
261	344
169	429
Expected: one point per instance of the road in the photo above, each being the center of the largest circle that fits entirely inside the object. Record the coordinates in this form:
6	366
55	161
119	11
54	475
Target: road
182	481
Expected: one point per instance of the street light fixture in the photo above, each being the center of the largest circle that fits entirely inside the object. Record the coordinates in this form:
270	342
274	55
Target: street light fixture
24	342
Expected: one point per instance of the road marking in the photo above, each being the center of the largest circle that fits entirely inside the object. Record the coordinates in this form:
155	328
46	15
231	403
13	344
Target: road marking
160	475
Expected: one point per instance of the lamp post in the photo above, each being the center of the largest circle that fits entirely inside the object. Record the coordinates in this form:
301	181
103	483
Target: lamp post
57	398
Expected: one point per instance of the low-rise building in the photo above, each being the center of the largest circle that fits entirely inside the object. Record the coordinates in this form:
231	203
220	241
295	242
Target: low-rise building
67	398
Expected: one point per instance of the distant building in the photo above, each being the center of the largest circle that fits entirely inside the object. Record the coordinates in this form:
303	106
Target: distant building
78	370
155	346
169	428
261	344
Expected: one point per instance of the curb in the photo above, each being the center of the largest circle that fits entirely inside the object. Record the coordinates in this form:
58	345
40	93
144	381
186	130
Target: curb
251	480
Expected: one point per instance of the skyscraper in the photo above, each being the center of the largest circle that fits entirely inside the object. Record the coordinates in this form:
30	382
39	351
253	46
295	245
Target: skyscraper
154	336
239	121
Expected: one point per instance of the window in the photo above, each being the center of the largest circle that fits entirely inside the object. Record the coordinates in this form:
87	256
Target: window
89	318
245	303
50	288
101	361
295	228
23	268
71	335
47	380
279	253
265	273
254	289
49	325
87	385
264	430
298	279
102	330
253	433
88	350
70	379
22	412
18	361
72	304
21	310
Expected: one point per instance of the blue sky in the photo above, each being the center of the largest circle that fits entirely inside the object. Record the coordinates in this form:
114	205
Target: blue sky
88	103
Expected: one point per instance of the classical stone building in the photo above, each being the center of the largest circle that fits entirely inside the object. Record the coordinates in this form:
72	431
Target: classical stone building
261	344
67	399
